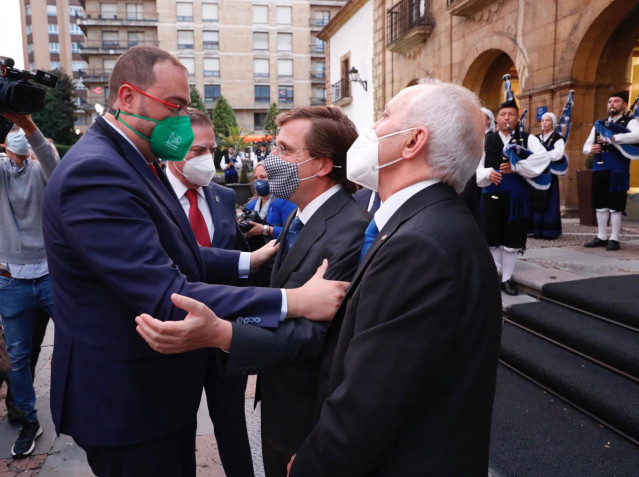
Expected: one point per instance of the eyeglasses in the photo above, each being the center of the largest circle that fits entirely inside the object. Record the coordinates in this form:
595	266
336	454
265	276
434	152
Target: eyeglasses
283	151
180	110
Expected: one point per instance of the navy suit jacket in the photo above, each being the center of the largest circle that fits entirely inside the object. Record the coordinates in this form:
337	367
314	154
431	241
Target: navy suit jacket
221	201
119	244
408	374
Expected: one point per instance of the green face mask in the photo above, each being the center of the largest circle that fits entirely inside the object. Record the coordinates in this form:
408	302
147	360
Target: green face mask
170	140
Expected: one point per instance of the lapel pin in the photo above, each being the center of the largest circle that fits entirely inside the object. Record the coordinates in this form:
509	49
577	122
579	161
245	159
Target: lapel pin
384	237
217	199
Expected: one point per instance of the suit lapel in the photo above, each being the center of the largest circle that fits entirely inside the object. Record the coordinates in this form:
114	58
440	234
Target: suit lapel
282	241
159	186
219	225
424	198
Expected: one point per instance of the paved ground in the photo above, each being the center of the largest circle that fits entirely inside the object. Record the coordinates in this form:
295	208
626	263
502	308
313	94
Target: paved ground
545	261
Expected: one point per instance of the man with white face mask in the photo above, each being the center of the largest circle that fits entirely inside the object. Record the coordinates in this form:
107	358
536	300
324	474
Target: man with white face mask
191	182
409	361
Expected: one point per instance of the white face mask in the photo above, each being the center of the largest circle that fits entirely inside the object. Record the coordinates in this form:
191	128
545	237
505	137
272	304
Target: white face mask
362	159
199	170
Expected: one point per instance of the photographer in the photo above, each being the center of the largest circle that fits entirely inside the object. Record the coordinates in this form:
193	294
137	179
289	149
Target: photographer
25	286
272	211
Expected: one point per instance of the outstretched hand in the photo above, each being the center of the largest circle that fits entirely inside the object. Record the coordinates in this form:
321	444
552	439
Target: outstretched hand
263	254
200	329
318	299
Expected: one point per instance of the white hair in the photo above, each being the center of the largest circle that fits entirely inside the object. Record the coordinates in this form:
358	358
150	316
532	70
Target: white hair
489	115
456	135
552	117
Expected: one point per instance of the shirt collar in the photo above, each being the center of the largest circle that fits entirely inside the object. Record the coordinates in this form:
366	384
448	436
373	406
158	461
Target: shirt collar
179	188
391	205
306	214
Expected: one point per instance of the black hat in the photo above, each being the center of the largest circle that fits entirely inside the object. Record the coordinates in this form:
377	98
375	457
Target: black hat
511	103
620	94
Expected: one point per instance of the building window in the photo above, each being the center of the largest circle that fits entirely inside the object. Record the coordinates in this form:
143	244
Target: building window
185	39
29	29
75	47
189	64
209	12
184	12
79	66
110	39
75	29
262	93
285	68
212	67
108	65
54	47
134	11
76	12
82	120
321	18
285	94
260	41
27	10
30	49
211	40
319	46
284	42
135	38
258	120
55	65
260	68
52	11
260	14
53	28
284	15
108	11
211	93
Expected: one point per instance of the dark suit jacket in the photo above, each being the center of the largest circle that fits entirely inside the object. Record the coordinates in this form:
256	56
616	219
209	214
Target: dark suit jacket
221	201
119	244
363	197
411	356
288	391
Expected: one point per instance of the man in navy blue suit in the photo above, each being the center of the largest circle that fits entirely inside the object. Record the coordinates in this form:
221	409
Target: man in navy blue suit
119	243
224	394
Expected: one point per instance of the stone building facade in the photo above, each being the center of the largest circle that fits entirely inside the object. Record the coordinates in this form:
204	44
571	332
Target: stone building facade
548	47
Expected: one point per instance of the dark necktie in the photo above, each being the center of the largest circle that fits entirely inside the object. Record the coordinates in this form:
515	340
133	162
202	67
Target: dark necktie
292	233
369	238
196	220
376	204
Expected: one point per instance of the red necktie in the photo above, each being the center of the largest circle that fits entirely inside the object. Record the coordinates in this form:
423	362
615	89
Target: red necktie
153	169
197	220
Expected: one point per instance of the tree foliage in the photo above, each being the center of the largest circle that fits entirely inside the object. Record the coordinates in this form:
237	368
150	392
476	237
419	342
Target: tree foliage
196	99
223	117
56	119
270	127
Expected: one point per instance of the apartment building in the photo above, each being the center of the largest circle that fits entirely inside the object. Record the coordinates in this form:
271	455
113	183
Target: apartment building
52	39
254	52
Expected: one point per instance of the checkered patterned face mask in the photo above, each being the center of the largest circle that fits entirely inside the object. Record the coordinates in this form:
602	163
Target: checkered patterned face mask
283	176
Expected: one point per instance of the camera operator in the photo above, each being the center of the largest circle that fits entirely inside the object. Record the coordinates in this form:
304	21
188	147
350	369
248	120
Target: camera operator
25	286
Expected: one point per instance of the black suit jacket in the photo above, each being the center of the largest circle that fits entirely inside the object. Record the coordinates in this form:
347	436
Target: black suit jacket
289	393
410	357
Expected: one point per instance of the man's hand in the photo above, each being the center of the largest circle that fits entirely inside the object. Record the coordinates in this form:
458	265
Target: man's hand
23	121
494	177
257	229
595	149
263	254
200	329
505	168
317	299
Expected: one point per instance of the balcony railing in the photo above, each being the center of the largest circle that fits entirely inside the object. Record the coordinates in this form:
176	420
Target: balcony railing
319	76
317	49
341	92
110	47
116	18
408	24
318	101
97	75
318	23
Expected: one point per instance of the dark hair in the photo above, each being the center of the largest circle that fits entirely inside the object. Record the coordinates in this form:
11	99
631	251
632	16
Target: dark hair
135	66
198	118
331	135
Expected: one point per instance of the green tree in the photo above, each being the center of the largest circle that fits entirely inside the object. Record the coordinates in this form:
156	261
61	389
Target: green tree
223	117
196	99
56	119
270	127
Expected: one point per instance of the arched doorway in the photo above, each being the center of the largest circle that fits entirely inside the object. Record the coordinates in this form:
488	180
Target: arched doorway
484	77
606	61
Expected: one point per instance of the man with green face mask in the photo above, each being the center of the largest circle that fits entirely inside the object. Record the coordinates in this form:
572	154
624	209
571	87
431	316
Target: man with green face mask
119	243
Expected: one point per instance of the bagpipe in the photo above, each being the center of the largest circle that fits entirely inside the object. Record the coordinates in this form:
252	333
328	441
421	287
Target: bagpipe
517	152
607	129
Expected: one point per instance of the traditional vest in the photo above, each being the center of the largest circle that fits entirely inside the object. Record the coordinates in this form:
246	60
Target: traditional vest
611	159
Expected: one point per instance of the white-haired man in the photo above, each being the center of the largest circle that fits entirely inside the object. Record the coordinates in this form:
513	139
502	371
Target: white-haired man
408	372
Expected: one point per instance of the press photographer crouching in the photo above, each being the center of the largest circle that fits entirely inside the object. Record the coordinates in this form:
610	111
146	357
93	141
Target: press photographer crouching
25	287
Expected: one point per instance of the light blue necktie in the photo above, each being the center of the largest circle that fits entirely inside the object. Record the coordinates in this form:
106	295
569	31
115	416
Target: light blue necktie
369	238
292	233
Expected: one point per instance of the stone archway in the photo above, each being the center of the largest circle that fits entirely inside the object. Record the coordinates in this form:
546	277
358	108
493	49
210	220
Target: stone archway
484	77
